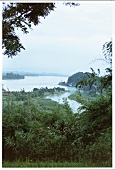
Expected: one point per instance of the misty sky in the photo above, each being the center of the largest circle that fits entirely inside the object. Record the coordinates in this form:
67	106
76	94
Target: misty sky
68	40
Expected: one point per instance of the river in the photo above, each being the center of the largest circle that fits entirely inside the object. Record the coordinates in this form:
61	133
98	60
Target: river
31	82
60	98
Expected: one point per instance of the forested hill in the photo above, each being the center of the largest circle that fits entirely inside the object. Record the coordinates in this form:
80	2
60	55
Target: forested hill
12	76
74	79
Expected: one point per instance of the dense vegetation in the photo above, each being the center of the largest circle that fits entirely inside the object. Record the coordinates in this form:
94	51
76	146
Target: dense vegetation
47	164
12	76
40	130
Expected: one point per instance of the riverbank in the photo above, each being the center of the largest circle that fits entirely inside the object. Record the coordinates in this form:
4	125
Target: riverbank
37	97
60	98
83	95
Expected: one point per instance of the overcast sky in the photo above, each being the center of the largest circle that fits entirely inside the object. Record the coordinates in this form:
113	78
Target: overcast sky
67	41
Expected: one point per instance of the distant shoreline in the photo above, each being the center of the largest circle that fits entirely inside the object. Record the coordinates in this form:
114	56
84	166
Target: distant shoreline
34	74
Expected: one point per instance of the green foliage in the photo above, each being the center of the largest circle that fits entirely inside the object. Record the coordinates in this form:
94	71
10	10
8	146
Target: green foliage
96	83
38	130
31	132
107	51
22	16
98	113
41	130
37	93
30	163
102	148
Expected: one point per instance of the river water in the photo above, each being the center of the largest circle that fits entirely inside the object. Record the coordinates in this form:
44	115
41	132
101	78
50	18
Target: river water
60	99
31	82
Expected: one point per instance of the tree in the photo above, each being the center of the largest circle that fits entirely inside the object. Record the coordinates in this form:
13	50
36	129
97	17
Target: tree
22	16
102	83
106	81
81	83
88	80
107	51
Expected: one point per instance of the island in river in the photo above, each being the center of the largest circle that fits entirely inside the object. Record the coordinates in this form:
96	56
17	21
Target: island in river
11	76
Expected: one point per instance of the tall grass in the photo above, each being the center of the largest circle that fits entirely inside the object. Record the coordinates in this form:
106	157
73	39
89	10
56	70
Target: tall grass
38	164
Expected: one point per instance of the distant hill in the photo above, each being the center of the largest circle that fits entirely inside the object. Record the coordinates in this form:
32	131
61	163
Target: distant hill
75	78
72	80
36	74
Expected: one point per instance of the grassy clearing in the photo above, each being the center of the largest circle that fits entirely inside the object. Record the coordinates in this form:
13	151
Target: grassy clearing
47	164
